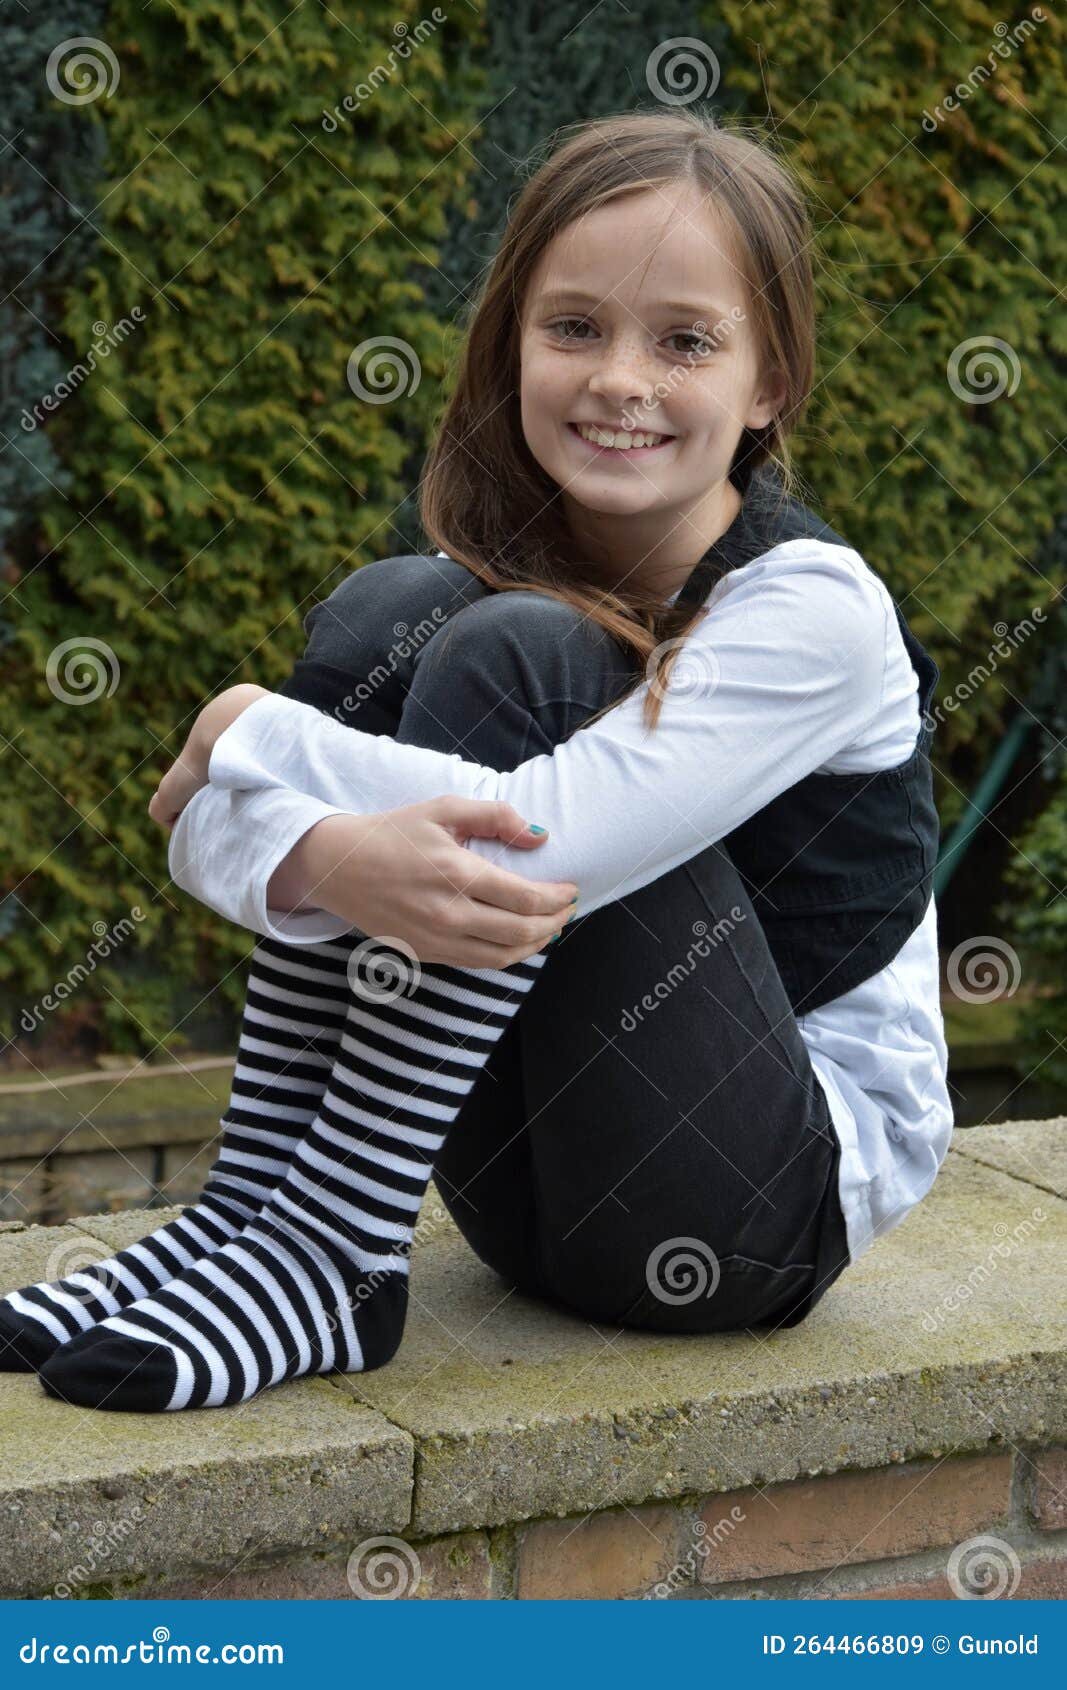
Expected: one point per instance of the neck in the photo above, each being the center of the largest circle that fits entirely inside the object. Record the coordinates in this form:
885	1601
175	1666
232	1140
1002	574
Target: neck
646	552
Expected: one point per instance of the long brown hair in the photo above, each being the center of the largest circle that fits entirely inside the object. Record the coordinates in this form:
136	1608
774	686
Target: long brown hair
484	499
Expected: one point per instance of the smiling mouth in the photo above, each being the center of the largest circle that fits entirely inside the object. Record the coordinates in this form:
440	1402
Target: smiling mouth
603	440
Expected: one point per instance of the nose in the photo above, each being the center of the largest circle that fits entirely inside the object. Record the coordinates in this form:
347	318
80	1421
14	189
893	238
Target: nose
619	378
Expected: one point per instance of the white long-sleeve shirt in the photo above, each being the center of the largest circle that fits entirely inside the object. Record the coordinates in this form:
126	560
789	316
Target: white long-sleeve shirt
798	667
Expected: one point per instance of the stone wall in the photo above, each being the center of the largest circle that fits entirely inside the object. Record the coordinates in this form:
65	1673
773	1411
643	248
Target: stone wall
114	1143
908	1439
991	1526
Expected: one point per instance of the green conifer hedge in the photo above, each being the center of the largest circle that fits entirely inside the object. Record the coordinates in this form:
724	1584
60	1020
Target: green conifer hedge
277	187
277	179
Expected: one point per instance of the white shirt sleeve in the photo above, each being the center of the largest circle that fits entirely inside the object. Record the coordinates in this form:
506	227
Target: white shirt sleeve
787	668
225	846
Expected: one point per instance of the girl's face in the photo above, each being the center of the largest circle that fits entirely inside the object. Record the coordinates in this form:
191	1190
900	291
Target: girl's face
637	319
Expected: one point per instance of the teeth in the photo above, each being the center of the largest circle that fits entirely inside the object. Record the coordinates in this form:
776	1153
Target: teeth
602	437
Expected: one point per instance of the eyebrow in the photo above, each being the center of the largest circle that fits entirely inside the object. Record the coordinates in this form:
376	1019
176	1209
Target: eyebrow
562	296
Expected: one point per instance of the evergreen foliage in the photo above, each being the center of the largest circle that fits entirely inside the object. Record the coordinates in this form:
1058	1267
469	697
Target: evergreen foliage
931	146
269	188
222	475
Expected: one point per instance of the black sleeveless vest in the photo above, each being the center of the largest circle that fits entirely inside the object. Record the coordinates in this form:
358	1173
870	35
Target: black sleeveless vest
839	868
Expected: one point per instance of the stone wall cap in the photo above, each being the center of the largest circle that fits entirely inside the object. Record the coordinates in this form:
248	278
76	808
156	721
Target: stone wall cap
948	1336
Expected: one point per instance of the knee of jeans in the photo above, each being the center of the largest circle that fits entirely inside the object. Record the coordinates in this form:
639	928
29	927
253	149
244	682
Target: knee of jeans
531	643
521	611
402	600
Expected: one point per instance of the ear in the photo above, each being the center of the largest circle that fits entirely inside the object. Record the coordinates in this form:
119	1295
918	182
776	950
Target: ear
768	400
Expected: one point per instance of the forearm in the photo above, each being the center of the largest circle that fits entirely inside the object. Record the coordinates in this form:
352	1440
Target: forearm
619	814
308	878
288	889
219	714
788	669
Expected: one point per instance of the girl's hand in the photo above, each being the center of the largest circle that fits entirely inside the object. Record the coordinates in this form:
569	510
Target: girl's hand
188	773
405	875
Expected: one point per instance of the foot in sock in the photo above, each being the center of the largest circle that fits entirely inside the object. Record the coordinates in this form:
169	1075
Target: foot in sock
318	1281
297	997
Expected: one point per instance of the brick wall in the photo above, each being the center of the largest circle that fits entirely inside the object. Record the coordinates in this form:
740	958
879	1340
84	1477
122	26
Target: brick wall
47	1189
991	1526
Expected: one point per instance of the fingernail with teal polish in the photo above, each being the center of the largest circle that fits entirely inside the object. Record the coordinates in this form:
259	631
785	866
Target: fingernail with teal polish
535	828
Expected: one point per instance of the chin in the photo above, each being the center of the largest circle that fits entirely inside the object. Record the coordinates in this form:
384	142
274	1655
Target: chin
605	505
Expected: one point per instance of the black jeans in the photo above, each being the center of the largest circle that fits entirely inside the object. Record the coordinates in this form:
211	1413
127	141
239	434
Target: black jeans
648	1144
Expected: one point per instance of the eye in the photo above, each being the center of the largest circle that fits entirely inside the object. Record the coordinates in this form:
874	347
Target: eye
580	322
703	347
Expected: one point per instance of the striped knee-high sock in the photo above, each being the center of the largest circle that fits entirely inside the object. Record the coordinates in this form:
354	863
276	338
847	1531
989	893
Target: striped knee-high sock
294	1013
318	1281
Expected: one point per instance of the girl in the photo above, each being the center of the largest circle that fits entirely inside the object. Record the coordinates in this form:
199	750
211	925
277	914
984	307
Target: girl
729	1078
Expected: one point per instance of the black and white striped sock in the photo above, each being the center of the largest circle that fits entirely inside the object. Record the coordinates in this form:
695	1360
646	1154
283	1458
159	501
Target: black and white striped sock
318	1281
296	1000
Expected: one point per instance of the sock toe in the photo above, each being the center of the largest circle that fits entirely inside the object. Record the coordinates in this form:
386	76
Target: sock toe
100	1369
24	1344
